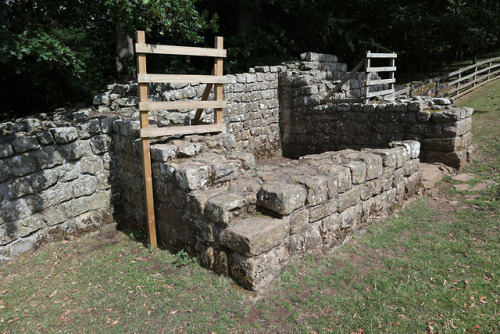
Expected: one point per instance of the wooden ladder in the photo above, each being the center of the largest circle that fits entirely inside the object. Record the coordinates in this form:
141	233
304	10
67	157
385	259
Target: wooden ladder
146	132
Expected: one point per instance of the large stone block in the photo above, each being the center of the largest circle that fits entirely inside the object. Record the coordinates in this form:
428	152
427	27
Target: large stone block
64	135
6	150
101	144
253	236
221	208
281	198
349	198
257	272
317	189
442	144
24	144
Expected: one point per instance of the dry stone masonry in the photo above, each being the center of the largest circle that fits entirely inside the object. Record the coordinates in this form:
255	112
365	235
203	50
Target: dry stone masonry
70	172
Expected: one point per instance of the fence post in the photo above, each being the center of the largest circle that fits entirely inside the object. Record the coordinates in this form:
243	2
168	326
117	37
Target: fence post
475	77
146	153
218	67
436	90
367	74
411	90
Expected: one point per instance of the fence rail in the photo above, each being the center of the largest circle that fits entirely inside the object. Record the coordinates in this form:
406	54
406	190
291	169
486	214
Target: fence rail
366	62
463	80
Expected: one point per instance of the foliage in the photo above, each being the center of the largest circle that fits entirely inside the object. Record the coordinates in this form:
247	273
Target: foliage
183	258
63	51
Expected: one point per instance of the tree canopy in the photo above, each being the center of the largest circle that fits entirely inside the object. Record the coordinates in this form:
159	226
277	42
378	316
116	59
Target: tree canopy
57	53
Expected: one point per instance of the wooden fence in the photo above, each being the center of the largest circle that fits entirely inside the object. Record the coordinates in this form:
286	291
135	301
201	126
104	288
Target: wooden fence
216	79
369	69
457	83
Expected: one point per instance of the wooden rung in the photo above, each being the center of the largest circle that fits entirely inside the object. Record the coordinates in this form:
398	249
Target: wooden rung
179	50
185	78
381	69
381	55
181	130
173	105
340	100
380	93
379	82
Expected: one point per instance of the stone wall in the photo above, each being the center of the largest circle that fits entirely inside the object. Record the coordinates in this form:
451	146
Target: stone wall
254	98
246	220
443	130
56	179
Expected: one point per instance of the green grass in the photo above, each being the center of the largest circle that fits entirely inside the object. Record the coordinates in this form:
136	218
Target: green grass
434	267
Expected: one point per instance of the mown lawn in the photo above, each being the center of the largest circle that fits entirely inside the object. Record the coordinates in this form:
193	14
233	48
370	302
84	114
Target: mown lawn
433	267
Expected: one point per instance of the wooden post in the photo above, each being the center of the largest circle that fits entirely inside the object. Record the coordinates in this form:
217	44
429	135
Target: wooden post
146	154
475	76
392	76
367	66
219	71
412	90
436	89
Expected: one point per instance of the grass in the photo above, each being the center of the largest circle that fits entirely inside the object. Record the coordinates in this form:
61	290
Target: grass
433	267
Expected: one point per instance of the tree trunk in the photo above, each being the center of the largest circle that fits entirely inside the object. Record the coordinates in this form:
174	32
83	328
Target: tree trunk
124	55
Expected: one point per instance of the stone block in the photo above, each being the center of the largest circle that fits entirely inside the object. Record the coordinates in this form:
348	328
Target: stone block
223	207
445	116
76	150
91	164
24	144
253	236
412	147
56	214
20	165
389	157
100	144
442	144
358	171
298	221
89	128
280	197
84	186
411	167
317	189
224	172
323	210
107	124
370	189
45	137
257	272
64	135
6	150
349	198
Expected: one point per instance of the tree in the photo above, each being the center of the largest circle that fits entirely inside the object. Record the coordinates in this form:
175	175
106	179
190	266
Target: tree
62	52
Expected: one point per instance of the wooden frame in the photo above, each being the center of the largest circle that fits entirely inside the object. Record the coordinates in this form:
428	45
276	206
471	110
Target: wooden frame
368	69
217	79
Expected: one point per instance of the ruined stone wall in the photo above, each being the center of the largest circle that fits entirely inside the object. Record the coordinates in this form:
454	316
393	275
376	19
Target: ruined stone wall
56	179
254	98
443	130
247	221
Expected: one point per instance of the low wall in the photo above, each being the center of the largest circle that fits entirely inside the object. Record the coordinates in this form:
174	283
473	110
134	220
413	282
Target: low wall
247	220
56	179
444	131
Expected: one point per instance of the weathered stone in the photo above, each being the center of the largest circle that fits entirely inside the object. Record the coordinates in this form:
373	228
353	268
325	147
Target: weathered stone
56	214
13	210
89	128
20	165
257	272
192	177
54	195
445	116
323	210
224	172
163	152
185	149
90	164
64	135
100	144
280	197
370	188
107	124
347	199
298	221
442	144
45	137
29	225
389	157
253	236
24	144
6	150
317	189
76	149
358	171
411	167
8	233
48	157
221	208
